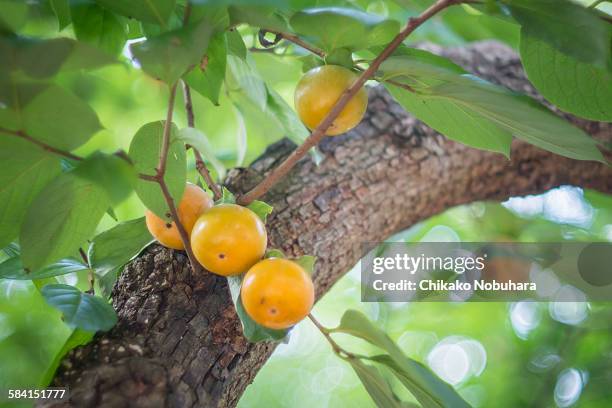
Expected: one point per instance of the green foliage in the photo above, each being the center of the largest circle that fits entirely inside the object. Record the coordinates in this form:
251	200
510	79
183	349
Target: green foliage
148	11
571	28
144	152
196	138
572	85
80	310
170	55
429	390
61	8
207	78
261	209
307	262
13	269
25	171
99	27
61	218
115	175
14	14
335	27
375	384
22	55
480	114
116	246
40	112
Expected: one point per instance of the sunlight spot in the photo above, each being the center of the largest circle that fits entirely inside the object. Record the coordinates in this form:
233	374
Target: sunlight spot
525	316
569	387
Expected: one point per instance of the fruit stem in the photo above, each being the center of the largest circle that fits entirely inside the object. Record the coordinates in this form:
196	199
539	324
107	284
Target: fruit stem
327	334
317	135
298	41
200	165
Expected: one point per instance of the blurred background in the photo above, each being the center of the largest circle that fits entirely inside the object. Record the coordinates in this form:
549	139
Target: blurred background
495	354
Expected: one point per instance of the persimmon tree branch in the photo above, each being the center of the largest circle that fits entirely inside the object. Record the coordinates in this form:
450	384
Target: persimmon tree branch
319	133
200	165
298	41
159	178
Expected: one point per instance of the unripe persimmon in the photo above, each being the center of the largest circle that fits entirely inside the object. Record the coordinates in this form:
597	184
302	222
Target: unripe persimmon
319	90
194	202
228	239
277	293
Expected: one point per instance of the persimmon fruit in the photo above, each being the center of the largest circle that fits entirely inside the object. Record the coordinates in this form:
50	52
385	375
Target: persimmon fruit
194	202
277	293
319	90
228	239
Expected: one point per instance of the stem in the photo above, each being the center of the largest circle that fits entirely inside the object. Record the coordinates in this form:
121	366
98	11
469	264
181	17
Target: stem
596	3
317	135
298	41
200	165
163	154
326	333
90	272
159	178
49	148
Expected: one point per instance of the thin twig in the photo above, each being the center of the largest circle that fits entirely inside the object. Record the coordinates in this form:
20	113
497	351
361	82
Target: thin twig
200	165
317	135
326	333
159	177
165	147
298	41
49	148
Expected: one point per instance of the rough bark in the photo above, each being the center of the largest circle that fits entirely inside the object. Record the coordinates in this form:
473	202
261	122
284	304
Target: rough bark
178	342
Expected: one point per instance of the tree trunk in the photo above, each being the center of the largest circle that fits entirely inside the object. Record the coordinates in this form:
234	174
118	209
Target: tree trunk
178	342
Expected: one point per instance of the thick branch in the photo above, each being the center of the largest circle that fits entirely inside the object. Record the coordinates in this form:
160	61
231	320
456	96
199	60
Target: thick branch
178	342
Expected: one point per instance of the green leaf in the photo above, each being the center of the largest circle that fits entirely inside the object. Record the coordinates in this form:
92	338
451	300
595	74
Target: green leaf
107	281
235	44
170	55
61	8
144	151
521	116
198	140
13	269
569	27
340	56
275	253
207	78
426	387
479	114
244	80
258	16
61	217
115	247
14	14
261	208
115	175
49	114
454	121
336	27
97	26
26	169
148	11
375	384
356	324
573	86
80	310
307	262
227	197
77	338
61	54
252	331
